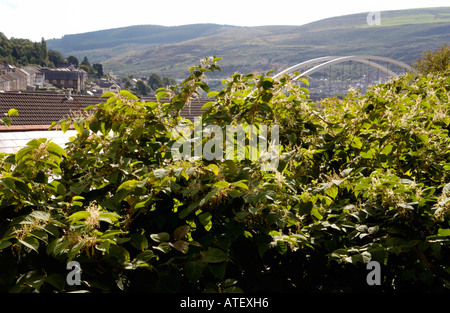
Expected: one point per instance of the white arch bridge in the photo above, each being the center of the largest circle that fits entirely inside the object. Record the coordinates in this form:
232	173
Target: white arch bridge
323	62
328	85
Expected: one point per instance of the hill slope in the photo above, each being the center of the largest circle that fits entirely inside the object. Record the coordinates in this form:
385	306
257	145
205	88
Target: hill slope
145	49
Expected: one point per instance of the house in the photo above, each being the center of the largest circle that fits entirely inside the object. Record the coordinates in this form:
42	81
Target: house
38	110
13	78
66	77
108	85
4	84
25	78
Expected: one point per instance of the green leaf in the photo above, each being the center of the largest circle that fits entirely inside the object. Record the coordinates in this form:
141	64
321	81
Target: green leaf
55	149
207	105
108	217
194	270
240	184
212	94
103	246
80	215
145	256
59	245
65	126
356	143
12	112
139	241
214	168
33	279
111	233
221	184
444	232
129	185
51	229
30	242
56	280
40	234
423	138
23	152
316	214
74	250
387	149
108	94
214	255
4	244
57	188
205	219
6	121
332	192
128	95
160	237
367	154
185	212
218	269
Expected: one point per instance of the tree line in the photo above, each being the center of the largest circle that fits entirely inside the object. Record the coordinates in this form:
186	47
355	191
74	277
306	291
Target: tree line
16	51
21	52
146	86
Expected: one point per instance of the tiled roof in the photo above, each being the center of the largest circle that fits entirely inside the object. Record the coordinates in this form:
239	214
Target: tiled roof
42	109
38	110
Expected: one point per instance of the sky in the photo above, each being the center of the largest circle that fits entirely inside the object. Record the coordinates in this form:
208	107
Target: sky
32	19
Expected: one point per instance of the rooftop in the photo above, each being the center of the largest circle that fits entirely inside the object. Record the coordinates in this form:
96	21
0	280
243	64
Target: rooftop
37	111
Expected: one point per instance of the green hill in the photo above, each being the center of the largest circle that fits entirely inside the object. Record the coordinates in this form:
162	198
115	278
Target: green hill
145	49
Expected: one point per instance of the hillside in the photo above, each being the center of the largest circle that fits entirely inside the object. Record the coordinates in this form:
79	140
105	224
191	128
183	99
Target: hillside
146	49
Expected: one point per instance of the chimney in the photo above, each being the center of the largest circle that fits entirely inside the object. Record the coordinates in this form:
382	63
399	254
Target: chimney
69	94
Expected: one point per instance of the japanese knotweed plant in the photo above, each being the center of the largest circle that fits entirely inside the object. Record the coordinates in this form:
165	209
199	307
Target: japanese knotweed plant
360	179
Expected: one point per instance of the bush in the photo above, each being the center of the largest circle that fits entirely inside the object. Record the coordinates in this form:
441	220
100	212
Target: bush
361	179
434	61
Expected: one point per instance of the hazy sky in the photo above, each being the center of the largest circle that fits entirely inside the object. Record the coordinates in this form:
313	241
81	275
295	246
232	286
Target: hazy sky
34	19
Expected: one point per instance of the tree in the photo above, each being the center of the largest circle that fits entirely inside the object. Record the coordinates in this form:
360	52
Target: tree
168	81
85	65
43	50
155	82
85	62
73	60
126	83
142	88
55	57
98	68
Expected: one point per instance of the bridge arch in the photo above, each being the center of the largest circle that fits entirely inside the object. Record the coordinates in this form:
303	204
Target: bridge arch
322	62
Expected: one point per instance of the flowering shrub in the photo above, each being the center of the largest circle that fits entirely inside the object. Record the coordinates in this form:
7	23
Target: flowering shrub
361	179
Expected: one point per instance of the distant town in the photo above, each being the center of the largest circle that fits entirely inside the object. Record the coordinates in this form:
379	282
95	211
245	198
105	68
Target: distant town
77	80
37	78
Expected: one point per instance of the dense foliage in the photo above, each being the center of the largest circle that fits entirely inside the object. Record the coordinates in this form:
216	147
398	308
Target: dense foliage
23	51
359	179
434	61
